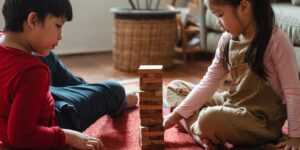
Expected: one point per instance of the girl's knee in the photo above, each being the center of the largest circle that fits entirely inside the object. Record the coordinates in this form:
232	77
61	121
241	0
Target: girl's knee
212	119
209	114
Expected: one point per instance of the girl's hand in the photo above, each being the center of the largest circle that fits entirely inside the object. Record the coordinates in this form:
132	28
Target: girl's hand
171	120
208	145
289	144
81	141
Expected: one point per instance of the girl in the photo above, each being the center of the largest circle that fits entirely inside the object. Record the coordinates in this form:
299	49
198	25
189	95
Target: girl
262	64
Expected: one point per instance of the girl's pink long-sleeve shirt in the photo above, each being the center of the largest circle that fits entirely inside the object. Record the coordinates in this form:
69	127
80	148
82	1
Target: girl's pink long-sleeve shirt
280	62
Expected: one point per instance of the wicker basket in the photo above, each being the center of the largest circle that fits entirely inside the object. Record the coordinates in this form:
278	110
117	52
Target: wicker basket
141	39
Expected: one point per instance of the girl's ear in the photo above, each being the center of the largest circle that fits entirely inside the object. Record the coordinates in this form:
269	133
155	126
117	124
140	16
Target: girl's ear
245	7
32	20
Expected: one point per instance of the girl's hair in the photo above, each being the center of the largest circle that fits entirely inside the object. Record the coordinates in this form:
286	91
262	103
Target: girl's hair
15	12
264	21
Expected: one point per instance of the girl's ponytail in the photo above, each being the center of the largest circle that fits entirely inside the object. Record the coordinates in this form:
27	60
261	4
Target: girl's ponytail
264	21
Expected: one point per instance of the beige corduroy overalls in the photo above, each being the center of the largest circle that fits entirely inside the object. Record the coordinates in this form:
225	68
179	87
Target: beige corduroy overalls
250	113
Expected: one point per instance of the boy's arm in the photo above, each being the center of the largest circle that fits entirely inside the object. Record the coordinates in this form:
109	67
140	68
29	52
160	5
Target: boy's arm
32	111
60	75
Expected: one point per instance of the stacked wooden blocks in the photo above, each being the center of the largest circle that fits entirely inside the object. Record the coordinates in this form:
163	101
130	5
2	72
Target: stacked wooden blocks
151	103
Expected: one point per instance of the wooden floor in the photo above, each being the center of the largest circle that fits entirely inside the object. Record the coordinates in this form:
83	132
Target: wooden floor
99	66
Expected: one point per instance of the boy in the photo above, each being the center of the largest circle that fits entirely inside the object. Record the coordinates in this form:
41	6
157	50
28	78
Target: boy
27	116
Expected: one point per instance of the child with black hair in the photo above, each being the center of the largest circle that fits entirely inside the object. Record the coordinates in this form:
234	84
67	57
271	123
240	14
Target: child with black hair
265	87
29	116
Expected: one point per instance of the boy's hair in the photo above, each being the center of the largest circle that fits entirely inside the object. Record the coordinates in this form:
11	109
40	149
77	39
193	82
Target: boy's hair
15	12
264	21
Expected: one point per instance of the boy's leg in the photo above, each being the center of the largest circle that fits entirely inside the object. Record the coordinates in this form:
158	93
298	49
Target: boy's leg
87	103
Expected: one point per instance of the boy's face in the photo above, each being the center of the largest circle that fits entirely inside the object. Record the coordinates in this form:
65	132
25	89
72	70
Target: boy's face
46	35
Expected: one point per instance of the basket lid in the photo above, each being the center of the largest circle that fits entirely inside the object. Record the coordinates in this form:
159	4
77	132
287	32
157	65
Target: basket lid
126	13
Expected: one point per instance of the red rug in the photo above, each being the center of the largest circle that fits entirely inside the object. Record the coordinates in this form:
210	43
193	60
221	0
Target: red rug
122	133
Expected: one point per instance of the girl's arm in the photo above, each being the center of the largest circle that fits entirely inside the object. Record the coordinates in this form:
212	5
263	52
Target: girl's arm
286	69
214	77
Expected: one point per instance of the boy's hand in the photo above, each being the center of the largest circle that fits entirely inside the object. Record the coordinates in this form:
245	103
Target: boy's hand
289	144
81	141
171	120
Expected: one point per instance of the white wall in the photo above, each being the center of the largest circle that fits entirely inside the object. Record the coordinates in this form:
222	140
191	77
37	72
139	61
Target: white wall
91	29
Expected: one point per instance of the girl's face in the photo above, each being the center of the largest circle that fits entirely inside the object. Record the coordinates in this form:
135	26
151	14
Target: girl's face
229	18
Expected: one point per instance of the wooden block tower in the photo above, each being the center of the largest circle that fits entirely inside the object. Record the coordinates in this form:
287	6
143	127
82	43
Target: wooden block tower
151	104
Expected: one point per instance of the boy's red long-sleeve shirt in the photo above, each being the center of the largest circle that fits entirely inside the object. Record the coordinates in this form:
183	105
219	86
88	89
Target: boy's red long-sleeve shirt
27	117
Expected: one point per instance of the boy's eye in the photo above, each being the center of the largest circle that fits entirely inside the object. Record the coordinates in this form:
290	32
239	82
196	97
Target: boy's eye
58	26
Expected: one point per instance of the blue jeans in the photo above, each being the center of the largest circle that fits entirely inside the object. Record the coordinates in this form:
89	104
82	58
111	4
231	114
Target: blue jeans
79	104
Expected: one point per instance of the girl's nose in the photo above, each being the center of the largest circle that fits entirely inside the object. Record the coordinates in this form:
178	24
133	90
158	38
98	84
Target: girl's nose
219	23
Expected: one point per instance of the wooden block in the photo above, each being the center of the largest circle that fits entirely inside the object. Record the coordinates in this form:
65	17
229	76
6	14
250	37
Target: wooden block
154	121
158	75
151	80
157	111
148	75
159	93
156	138
147	139
151	107
150	68
151	122
153	147
147	93
156	128
153	142
161	137
143	102
151	75
151	116
141	138
144	128
150	86
151	98
155	133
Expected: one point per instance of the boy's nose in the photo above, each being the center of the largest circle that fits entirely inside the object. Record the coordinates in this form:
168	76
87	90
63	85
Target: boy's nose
60	36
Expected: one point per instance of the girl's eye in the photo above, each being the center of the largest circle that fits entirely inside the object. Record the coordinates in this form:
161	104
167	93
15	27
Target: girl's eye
219	16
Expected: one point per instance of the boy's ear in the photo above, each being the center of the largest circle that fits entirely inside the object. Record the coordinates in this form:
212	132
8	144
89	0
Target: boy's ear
32	20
